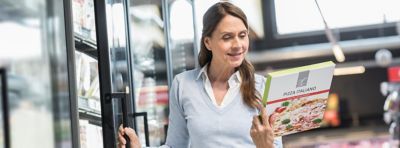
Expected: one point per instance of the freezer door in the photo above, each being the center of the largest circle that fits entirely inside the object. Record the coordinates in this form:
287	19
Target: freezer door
34	54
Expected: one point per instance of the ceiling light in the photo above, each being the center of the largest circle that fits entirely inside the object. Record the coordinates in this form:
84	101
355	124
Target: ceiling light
349	70
337	50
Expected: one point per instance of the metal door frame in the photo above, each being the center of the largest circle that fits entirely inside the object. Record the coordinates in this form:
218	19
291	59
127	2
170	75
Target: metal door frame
4	96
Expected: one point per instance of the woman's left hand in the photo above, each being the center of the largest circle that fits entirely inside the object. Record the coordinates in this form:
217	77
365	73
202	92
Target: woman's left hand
261	132
134	140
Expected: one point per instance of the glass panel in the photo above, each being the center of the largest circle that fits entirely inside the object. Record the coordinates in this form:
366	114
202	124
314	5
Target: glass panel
88	93
119	61
87	75
181	40
149	67
291	15
150	60
88	90
34	55
84	23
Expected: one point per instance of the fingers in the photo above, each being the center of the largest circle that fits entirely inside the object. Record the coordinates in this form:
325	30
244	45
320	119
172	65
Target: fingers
253	131
264	117
121	139
256	123
127	132
131	134
121	130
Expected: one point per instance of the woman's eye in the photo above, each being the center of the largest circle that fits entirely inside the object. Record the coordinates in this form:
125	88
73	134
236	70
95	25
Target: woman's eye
226	37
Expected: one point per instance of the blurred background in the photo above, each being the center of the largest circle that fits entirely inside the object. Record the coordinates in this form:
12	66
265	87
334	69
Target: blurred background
65	63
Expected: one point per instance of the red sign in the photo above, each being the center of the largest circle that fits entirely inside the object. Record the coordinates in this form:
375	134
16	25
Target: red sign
394	74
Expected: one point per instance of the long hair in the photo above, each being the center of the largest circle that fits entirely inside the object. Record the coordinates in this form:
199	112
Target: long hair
210	21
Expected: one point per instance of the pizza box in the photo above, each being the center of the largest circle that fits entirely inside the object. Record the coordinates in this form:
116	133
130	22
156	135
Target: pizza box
296	98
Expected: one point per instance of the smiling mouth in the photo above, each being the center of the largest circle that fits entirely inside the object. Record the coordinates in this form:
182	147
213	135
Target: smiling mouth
234	54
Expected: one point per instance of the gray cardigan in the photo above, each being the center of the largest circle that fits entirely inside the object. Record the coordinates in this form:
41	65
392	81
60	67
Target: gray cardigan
195	122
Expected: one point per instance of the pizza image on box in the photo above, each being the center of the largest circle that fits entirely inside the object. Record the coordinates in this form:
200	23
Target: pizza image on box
296	98
298	115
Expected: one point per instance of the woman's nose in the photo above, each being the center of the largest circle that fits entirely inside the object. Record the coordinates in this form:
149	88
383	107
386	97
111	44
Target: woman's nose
237	43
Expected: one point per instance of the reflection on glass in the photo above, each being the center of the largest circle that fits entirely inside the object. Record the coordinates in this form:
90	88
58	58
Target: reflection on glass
149	68
29	102
32	41
181	46
148	49
84	23
291	15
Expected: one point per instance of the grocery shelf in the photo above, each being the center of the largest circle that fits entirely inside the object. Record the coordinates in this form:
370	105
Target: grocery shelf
86	46
92	116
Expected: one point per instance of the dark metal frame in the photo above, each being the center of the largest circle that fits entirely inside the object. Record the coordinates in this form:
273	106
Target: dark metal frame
69	37
104	73
6	122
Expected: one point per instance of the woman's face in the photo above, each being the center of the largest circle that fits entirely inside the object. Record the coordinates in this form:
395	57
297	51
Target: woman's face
229	42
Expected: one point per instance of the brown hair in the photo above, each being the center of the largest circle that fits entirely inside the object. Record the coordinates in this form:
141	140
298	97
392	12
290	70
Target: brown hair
210	21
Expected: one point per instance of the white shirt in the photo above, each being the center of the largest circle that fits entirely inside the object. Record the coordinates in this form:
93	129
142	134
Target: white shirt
233	83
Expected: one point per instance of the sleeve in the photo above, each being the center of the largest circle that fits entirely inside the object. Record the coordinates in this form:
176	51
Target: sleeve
260	84
278	142
177	135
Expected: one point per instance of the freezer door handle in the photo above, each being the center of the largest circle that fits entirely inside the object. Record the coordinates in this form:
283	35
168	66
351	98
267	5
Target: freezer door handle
146	125
124	105
4	102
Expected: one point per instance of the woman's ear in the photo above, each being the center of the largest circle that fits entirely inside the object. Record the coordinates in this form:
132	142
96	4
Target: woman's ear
207	43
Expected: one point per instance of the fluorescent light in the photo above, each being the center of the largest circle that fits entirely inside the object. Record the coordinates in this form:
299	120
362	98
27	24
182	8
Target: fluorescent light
338	52
349	70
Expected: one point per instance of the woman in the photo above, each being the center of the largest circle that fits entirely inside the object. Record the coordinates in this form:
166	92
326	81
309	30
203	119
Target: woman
218	104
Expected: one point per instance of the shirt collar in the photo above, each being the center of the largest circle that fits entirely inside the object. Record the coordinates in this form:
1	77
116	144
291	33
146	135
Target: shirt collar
203	72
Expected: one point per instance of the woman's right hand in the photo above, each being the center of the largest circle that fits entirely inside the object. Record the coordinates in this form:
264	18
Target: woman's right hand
134	140
261	132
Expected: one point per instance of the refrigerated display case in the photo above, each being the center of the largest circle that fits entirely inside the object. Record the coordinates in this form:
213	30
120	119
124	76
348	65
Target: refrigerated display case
87	74
83	20
138	59
88	95
37	43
